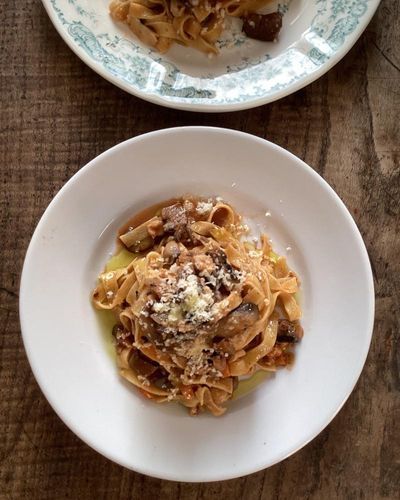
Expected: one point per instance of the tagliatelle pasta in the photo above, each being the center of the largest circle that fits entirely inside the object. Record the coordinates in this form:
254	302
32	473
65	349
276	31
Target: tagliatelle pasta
194	23
198	306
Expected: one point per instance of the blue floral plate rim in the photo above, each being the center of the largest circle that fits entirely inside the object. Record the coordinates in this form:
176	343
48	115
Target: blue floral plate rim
335	28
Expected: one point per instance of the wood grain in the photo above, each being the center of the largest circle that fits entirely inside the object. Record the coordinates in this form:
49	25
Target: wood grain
57	114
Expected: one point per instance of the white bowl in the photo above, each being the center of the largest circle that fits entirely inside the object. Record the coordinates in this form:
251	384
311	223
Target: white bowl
71	358
315	35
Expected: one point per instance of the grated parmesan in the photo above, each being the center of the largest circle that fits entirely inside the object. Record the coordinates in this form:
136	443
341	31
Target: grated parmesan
204	207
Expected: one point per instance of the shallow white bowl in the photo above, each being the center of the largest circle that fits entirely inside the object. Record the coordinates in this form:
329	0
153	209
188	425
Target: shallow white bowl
315	35
66	347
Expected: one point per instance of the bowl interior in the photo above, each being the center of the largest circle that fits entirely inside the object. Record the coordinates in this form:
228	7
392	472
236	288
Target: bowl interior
71	356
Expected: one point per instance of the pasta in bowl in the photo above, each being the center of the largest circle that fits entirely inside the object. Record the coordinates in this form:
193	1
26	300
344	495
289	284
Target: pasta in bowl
74	361
197	305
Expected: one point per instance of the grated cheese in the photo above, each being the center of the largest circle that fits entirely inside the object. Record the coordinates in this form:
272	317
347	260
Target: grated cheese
204	207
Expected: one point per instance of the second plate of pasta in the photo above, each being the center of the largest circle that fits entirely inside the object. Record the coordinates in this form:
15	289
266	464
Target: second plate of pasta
210	55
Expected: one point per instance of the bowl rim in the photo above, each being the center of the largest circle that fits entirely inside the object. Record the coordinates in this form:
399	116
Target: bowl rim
213	108
41	381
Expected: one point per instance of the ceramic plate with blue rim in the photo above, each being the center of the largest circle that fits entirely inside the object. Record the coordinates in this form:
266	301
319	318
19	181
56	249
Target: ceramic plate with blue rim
315	35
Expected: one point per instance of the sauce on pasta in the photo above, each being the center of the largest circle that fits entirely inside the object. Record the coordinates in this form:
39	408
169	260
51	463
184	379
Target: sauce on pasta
196	305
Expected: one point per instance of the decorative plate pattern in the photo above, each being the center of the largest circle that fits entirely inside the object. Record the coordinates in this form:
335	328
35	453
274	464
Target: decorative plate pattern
247	73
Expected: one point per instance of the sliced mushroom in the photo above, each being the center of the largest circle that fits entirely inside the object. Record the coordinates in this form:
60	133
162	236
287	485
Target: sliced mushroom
140	238
238	320
176	220
171	252
289	331
264	27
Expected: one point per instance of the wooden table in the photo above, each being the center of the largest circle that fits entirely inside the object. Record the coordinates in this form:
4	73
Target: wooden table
57	115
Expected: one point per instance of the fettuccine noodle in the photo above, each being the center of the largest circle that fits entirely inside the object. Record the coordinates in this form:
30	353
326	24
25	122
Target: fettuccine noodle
194	23
198	306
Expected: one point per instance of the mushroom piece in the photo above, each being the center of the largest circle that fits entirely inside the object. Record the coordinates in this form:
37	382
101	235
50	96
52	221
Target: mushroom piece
171	252
176	220
289	331
264	27
238	320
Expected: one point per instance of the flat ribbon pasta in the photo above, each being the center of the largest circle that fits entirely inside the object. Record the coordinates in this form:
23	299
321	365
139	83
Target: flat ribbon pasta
198	307
195	23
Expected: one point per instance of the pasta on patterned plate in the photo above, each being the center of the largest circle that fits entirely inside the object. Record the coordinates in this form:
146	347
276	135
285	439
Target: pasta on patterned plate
194	23
198	306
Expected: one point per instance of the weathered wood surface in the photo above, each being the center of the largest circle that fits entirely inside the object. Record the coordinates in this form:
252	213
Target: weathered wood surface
57	114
